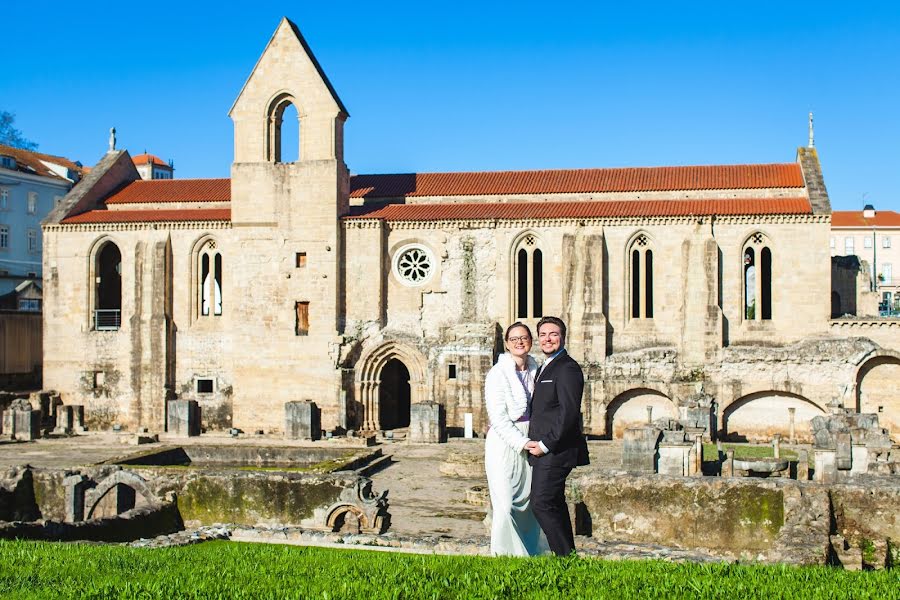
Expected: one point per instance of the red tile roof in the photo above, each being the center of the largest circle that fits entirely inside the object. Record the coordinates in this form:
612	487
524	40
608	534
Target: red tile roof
855	218
149	216
27	158
644	179
564	210
143	159
173	190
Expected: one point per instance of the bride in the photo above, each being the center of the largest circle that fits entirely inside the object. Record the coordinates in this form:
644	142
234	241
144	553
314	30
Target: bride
507	392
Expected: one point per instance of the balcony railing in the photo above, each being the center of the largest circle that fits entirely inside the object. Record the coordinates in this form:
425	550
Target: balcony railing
107	319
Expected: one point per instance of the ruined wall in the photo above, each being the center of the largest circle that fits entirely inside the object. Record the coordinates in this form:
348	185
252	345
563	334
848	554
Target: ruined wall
721	515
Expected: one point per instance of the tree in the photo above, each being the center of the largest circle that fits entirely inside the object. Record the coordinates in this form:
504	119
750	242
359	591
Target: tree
11	136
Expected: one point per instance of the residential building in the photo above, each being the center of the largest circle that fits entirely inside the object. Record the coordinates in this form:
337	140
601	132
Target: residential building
153	167
874	237
31	185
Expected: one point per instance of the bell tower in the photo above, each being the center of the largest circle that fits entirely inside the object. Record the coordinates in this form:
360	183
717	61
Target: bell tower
286	74
286	234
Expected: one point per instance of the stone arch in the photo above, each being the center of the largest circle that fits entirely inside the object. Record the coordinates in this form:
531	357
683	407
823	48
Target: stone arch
369	368
630	409
136	485
876	382
347	518
275	112
758	416
527	268
103	297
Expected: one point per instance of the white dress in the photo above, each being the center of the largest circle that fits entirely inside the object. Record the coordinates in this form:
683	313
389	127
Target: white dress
514	530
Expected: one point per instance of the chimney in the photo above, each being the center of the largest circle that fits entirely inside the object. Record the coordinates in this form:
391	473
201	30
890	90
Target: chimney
869	211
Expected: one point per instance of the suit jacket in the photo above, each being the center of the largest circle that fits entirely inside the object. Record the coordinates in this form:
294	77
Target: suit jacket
556	413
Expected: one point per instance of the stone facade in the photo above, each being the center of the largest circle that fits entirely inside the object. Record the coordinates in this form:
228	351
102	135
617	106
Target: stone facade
303	285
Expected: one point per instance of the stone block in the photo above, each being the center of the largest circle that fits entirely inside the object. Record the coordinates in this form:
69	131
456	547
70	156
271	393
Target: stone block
427	423
78	418
302	420
843	453
728	464
65	420
639	449
183	418
859	459
673	459
802	465
26	424
826	467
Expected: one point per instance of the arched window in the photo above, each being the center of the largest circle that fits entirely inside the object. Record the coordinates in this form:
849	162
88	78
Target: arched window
210	280
640	254
283	130
757	278
108	290
529	278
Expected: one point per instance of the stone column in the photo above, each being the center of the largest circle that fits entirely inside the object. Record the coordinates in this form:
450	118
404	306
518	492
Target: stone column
728	464
802	465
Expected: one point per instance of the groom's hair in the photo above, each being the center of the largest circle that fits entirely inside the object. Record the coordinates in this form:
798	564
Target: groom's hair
555	321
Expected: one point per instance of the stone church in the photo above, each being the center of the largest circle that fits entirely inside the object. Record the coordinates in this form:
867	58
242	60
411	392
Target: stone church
692	293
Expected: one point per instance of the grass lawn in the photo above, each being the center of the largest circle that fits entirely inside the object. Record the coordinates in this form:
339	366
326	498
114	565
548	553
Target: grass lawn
233	570
743	451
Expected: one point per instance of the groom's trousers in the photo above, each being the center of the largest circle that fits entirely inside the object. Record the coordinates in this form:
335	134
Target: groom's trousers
548	502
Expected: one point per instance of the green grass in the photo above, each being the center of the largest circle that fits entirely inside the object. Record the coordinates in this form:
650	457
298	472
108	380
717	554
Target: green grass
232	570
743	452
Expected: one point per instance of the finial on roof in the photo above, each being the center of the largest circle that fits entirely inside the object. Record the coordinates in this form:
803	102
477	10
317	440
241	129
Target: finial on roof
112	139
812	141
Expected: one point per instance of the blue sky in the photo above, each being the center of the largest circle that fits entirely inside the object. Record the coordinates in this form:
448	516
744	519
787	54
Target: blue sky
454	86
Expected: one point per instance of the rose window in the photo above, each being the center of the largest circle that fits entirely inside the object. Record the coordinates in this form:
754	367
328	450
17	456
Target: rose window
413	265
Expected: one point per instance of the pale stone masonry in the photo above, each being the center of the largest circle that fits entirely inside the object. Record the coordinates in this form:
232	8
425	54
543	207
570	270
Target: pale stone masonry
686	289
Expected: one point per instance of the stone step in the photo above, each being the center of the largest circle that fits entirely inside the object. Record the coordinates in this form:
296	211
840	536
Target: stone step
374	466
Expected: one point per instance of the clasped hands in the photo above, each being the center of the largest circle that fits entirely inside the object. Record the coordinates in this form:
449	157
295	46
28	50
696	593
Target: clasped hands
534	448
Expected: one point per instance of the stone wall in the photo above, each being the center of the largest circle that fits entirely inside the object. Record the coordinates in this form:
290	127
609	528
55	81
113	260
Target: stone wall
769	520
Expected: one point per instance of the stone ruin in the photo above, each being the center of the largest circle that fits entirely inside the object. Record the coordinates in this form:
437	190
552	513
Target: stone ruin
847	443
111	503
22	421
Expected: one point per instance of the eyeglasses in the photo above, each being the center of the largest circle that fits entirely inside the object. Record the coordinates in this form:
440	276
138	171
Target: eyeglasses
521	338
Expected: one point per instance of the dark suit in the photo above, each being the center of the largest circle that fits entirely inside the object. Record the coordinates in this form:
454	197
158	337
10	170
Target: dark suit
556	423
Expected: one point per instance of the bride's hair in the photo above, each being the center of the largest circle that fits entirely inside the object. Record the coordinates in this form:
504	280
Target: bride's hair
513	326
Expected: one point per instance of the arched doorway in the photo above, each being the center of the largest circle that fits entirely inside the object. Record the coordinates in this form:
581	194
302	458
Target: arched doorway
394	395
876	390
393	374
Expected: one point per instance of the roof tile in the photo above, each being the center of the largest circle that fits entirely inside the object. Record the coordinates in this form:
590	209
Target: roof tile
643	179
149	216
855	218
173	190
600	209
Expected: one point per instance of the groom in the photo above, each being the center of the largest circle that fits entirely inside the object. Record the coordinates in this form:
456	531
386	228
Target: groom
558	444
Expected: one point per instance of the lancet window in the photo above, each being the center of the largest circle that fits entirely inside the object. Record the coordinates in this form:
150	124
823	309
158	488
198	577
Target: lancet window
757	278
640	271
